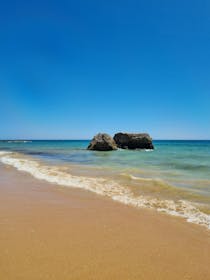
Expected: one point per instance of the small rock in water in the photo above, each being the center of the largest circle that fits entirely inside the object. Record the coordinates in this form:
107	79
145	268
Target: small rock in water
102	142
133	140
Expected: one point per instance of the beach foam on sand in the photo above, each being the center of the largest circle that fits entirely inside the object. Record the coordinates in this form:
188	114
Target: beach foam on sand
51	232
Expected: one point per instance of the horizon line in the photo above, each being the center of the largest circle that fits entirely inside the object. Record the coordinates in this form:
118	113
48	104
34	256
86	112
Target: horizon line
85	139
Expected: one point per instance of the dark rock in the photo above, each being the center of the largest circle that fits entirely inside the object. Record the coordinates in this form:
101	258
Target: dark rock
133	141
102	142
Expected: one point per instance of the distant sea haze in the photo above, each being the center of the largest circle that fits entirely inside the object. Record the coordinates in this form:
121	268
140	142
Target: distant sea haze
173	178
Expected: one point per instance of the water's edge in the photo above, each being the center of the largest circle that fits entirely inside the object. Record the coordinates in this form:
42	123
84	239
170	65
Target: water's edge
105	187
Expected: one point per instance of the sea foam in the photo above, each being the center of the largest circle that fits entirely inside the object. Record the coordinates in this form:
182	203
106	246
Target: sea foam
105	187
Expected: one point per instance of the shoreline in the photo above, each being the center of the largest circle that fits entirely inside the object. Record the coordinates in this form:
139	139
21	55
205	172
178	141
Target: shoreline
122	190
52	232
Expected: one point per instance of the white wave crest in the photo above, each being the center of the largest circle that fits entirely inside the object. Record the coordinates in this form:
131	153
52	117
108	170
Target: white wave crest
2	153
19	141
106	187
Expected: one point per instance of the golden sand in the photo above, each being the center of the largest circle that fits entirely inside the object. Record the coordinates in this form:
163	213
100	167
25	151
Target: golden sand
50	232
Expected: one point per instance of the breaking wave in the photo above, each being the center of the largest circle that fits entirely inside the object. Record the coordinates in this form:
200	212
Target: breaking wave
105	187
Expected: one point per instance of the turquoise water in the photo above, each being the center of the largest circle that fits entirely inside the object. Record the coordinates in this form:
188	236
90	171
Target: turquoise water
174	170
171	160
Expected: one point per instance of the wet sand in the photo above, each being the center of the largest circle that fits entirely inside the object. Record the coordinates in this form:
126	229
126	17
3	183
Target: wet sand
51	232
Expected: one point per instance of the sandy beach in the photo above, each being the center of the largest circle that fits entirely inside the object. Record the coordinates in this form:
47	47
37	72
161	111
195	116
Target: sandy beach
51	232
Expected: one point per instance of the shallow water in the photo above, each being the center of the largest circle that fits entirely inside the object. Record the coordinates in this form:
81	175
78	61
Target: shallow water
174	178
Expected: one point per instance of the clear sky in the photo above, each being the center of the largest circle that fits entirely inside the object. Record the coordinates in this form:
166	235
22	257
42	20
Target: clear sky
69	69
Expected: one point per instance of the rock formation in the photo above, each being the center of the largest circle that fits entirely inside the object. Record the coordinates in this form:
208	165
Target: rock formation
102	142
133	141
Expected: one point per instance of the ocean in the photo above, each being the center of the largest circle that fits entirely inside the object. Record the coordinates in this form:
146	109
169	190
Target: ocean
174	178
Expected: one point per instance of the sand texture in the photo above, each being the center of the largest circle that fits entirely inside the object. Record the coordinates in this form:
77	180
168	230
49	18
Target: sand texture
56	233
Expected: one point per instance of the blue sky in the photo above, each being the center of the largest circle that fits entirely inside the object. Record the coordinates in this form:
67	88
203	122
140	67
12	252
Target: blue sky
69	69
